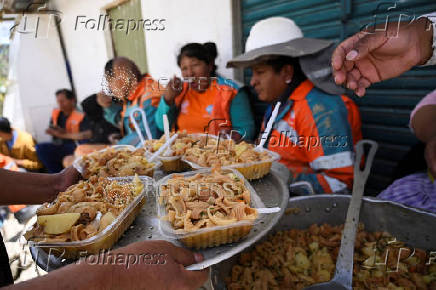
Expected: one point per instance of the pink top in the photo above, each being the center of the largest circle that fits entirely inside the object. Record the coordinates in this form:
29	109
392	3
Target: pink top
430	99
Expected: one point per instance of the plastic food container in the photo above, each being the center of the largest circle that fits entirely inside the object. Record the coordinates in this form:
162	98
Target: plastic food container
106	238
250	170
174	163
170	163
79	166
212	236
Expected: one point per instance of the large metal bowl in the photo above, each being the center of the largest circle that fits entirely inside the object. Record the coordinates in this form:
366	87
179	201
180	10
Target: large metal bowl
409	225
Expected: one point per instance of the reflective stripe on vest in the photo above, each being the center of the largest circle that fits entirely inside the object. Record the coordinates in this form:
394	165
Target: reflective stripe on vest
285	129
335	184
338	160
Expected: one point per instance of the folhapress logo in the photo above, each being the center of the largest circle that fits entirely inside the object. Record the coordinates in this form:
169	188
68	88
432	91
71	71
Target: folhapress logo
37	24
104	22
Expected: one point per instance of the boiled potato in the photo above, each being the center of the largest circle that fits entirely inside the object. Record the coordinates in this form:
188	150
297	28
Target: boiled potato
301	261
240	148
156	146
106	220
58	223
179	146
139	186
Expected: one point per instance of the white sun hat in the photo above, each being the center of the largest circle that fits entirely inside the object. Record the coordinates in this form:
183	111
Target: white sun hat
271	31
280	36
276	36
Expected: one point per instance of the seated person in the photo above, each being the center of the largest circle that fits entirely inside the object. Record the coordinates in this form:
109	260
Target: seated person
419	189
192	106
18	145
100	128
315	131
131	90
67	126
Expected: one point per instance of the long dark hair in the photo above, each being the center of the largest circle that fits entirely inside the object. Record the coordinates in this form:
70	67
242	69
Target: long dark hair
278	62
206	52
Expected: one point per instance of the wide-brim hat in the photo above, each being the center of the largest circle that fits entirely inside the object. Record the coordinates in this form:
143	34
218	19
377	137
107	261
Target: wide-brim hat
295	48
279	36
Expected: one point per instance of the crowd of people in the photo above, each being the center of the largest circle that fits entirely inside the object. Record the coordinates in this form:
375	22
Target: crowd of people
312	110
286	69
68	126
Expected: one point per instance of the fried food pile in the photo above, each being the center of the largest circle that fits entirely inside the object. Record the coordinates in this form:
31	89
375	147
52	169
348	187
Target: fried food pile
226	153
295	259
117	163
206	200
83	210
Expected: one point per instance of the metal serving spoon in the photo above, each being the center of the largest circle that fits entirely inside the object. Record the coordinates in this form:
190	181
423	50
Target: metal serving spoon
344	264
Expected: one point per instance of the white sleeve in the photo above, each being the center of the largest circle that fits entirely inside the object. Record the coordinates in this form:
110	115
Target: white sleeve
432	18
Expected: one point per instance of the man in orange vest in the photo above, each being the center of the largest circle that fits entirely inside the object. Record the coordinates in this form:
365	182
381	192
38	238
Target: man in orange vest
67	126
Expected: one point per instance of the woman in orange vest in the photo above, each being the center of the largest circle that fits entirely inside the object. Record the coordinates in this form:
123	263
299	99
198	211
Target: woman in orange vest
131	90
67	126
316	127
207	102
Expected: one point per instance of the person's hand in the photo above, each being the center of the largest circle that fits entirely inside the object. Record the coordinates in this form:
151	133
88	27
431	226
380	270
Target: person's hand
174	88
166	271
64	179
141	265
369	57
104	100
55	132
430	156
50	131
19	162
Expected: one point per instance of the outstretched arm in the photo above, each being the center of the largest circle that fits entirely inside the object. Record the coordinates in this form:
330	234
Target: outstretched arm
34	188
139	269
373	56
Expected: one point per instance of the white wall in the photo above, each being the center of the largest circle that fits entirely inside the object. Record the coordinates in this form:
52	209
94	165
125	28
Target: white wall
87	49
187	21
37	70
39	66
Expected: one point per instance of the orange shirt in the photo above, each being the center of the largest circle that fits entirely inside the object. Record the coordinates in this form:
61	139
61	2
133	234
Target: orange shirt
196	110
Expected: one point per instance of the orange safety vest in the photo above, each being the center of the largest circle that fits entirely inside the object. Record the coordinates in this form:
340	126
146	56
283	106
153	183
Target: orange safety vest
146	89
220	116
73	120
315	135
